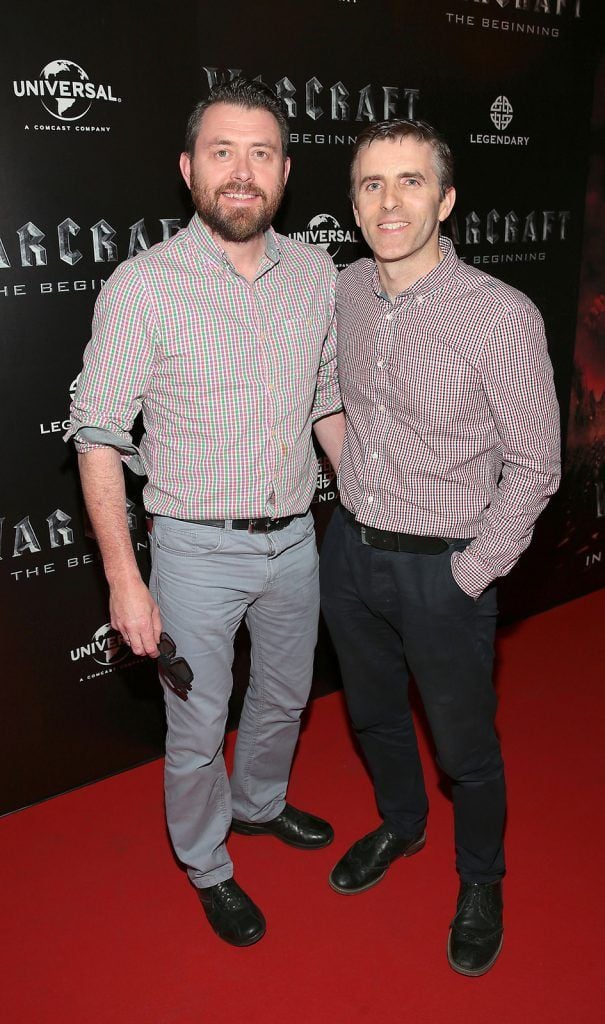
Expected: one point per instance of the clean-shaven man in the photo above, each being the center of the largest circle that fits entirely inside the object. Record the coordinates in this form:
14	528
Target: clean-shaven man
451	452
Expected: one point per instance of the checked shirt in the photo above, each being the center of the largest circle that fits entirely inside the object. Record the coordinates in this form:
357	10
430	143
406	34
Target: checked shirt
452	418
229	375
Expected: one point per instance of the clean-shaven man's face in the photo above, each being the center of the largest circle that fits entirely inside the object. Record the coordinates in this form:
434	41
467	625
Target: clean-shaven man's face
398	203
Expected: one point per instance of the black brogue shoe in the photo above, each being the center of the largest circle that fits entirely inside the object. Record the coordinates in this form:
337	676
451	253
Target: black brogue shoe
294	827
369	859
232	914
476	934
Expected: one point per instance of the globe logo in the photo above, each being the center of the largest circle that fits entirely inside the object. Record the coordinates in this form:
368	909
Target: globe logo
501	112
65	96
326	232
109	647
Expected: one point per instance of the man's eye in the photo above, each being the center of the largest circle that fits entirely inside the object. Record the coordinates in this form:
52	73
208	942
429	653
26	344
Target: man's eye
261	154
222	153
372	186
412	181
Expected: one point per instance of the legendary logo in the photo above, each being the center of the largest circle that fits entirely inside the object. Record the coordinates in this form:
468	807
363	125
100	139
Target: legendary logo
325	231
65	90
325	485
501	112
59	426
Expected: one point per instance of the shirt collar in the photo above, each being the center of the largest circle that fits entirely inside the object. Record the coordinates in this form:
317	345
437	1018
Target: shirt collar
204	241
436	278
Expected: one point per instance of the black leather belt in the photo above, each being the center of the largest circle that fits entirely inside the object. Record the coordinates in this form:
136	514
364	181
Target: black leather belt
261	525
388	541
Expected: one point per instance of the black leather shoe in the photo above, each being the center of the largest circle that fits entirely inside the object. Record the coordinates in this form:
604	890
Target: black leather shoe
475	938
296	828
232	914
369	858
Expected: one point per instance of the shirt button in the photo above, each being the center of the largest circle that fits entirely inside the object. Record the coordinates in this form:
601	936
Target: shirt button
370	499
382	408
380	364
420	299
389	316
374	455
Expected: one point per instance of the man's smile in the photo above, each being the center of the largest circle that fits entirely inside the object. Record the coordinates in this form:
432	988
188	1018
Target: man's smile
393	225
241	196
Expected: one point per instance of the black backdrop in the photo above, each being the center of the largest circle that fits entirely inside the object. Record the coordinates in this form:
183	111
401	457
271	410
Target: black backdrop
93	99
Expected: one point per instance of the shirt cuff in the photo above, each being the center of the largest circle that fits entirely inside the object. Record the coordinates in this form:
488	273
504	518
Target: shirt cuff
469	574
323	409
87	438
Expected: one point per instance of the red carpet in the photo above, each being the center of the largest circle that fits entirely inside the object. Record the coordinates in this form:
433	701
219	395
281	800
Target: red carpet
100	925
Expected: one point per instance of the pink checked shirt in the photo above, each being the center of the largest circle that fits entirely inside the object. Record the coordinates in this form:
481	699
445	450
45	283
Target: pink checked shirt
229	375
452	418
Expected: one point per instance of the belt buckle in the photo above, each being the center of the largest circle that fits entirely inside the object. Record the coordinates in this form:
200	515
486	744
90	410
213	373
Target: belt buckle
253	526
362	532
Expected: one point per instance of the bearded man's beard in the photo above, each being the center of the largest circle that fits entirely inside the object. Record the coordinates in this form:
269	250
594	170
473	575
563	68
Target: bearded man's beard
238	224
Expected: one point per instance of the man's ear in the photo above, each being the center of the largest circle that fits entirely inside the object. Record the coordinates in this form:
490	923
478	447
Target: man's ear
447	204
185	165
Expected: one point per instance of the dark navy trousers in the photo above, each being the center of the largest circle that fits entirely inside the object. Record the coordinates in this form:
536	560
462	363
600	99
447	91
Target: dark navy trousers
392	614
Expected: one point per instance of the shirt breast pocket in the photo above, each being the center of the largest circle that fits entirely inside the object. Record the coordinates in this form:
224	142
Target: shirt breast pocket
298	343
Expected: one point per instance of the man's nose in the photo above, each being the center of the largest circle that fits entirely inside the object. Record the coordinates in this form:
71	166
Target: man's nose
243	169
390	198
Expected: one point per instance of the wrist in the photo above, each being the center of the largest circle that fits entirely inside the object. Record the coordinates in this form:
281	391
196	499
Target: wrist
122	577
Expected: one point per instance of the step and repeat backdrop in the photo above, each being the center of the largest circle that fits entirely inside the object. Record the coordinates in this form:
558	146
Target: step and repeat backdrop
93	100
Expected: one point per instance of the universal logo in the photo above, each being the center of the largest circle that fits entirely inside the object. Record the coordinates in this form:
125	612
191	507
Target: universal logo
106	646
501	114
65	91
325	231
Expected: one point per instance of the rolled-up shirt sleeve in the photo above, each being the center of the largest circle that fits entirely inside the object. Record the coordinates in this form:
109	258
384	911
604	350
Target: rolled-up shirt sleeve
327	393
118	362
518	381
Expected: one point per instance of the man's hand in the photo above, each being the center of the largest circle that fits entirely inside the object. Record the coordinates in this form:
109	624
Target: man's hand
136	616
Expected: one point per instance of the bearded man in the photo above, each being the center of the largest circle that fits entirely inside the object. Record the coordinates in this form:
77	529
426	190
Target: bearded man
224	338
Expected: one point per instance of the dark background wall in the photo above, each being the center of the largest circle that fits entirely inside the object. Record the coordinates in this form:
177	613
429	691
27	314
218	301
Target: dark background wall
88	176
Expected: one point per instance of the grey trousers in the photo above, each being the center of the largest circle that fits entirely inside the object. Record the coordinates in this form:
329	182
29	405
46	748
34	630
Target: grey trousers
205	581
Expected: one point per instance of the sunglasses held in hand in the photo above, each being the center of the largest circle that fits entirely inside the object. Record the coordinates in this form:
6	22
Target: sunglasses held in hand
175	671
